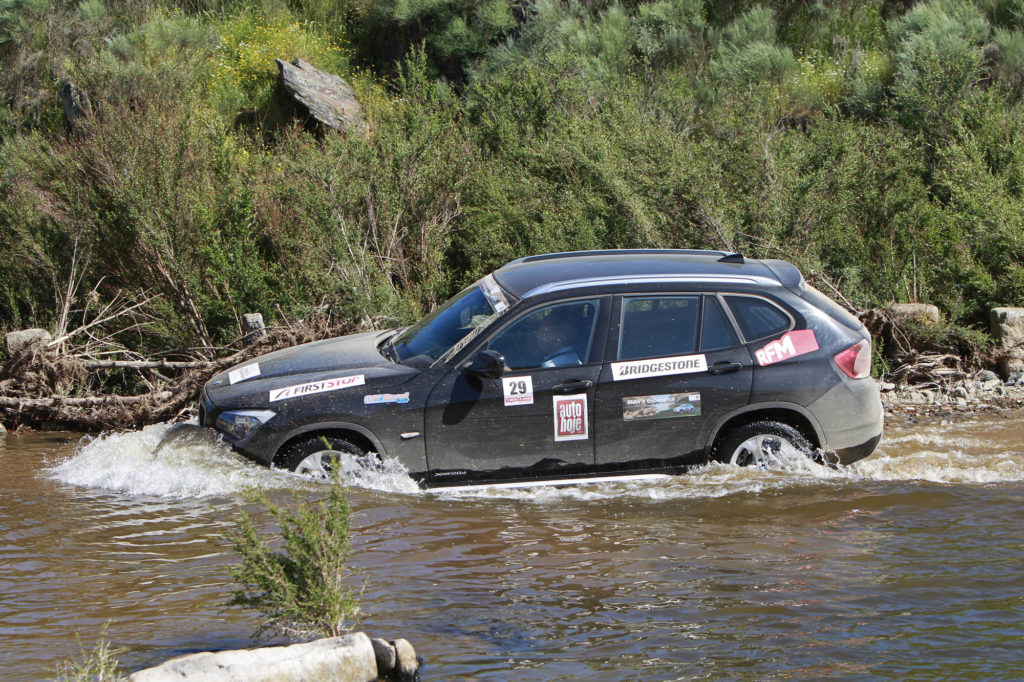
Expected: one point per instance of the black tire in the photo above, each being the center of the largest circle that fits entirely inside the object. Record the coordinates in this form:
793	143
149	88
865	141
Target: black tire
757	443
304	456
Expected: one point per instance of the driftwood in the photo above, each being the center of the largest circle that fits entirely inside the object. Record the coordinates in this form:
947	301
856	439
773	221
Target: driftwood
144	364
93	401
40	388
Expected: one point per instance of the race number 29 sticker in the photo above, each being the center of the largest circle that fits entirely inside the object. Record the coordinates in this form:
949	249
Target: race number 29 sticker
571	417
794	343
518	390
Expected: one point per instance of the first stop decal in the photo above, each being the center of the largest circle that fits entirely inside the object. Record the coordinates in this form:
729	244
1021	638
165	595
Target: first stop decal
570	417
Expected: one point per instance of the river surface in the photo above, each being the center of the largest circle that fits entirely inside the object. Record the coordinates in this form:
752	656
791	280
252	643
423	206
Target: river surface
908	565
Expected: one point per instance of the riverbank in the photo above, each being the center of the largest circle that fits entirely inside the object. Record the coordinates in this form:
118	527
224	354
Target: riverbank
982	392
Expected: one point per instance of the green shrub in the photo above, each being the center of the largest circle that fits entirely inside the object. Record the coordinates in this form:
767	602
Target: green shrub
302	590
98	664
749	55
938	59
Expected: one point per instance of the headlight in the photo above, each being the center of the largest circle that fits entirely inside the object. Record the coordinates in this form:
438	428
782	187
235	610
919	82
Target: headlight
241	423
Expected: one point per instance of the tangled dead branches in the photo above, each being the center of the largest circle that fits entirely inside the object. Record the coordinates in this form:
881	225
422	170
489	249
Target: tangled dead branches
40	388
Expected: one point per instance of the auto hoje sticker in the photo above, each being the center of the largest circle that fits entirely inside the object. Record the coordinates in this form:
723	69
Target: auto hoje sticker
518	390
661	406
639	369
313	387
571	417
792	344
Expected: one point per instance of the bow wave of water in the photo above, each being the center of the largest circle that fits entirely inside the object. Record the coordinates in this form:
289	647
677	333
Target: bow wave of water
197	464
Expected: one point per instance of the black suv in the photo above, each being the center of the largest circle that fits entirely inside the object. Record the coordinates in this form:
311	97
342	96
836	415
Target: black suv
572	366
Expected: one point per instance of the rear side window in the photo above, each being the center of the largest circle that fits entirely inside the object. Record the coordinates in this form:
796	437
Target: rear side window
716	332
757	317
658	326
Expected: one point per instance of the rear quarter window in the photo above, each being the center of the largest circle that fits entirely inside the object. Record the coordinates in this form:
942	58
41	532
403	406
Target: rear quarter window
834	310
757	317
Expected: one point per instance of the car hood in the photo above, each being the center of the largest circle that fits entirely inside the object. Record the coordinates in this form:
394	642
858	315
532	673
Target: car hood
343	353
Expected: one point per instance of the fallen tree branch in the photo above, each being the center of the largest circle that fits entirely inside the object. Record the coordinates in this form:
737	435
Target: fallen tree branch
93	401
145	364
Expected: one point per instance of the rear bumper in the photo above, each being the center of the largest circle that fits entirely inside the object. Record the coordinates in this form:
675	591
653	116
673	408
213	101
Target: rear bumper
858	452
851	418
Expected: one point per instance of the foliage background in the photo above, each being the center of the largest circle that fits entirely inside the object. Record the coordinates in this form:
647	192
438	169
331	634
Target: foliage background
878	146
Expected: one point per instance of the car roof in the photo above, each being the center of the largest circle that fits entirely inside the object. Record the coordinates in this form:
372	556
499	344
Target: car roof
535	275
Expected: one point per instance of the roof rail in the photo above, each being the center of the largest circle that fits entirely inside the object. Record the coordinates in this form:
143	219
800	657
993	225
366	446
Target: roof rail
723	256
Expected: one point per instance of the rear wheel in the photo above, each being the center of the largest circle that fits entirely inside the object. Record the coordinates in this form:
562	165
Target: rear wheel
319	456
761	444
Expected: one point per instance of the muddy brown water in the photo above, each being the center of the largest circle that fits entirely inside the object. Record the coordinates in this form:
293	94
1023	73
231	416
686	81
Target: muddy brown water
908	565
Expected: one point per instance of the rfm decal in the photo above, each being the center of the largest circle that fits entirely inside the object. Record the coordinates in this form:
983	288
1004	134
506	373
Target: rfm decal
570	417
794	343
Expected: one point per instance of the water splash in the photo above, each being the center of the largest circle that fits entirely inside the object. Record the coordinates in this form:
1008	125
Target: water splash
386	476
194	464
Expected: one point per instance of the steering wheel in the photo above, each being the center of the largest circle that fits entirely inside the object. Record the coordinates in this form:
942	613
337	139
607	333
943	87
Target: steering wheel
563	357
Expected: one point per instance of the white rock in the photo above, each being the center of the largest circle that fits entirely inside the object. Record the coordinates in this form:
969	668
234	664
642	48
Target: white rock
341	659
924	312
1008	328
16	341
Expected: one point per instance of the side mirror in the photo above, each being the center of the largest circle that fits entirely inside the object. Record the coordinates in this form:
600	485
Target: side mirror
488	364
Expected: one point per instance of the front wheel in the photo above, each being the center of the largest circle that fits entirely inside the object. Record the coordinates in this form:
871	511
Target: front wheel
761	444
319	456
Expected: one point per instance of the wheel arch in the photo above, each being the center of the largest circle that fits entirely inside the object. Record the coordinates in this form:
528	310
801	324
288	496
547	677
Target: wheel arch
358	435
787	413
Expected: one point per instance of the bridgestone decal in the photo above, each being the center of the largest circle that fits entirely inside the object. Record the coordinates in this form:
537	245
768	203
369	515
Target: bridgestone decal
313	387
639	369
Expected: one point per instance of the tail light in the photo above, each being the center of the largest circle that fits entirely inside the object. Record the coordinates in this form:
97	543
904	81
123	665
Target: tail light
855	361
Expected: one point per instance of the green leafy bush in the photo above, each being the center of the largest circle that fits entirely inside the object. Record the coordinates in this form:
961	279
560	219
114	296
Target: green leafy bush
304	589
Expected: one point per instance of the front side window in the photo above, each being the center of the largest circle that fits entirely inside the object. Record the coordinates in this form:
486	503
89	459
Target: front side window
757	317
554	336
658	326
444	331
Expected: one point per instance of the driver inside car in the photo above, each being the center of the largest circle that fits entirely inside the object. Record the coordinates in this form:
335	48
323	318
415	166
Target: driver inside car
552	342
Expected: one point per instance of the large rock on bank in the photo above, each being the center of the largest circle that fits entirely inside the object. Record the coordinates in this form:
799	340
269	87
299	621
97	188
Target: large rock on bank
17	341
1008	329
343	659
329	99
923	312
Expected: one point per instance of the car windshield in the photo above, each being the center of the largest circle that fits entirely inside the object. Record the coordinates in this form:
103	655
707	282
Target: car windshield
445	331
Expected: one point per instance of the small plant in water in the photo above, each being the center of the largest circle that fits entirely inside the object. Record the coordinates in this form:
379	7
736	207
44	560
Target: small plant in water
98	664
303	590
